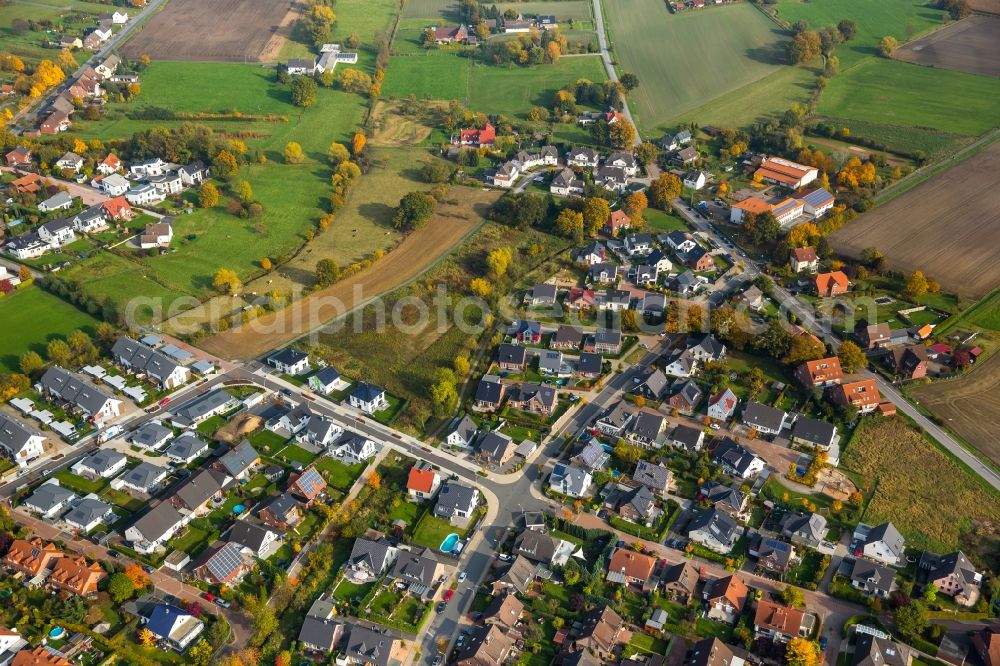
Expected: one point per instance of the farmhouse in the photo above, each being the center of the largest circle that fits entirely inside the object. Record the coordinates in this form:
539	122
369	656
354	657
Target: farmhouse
862	394
450	34
803	259
484	136
785	172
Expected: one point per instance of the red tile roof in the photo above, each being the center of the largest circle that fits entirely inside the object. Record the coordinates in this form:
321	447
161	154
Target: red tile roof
421	480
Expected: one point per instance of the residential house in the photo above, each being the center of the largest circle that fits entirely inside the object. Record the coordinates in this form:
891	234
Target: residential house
370	558
879	650
541	294
538	547
593	456
49	499
70	161
58	201
908	361
786	173
192	498
656	477
19	157
238	462
535	398
615	419
860	393
301	66
462	433
88	514
151	435
504	611
368	647
728	499
567	184
764	418
159	368
12	644
484	136
456	501
450	34
628	567
174	627
495	448
637	505
254	540
803	259
687	155
624	161
705	347
811	432
714	529
688	438
685	283
604	341
952	575
55	122
603	273
31	557
684	396
193	174
320	432
101	464
614	300
91	220
488	645
594	253
722	405
640	244
118	209
822	372
354	449
601	631
526	331
652	304
644	275
617	222
155	528
489	394
144	194
752	298
713	652
872	578
82	397
566	338
282	512
20	442
583	157
419	570
779	623
873	336
327	380
680	581
737	460
807	529
204	407
39	656
144	479
986	644
646	429
580	298
226	566
696	179
725	598
611	178
831	284
306	486
167	183
368	398
698	259
570	480
511	357
882	543
320	634
289	361
772	555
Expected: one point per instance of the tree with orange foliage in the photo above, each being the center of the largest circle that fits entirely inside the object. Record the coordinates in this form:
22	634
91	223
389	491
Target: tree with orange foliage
137	576
283	658
358	143
375	481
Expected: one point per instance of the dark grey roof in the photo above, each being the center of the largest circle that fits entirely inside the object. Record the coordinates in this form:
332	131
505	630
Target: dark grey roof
144	475
706	343
874	651
489	390
807	526
733	455
762	416
248	535
688	390
370	553
87	511
415	567
647	425
687	436
716	523
813	431
186	447
200	488
48	496
102	460
568	335
151	433
590	363
655	384
727	496
495	445
138	356
320	632
466	428
888	534
619	415
651	475
535	546
454	496
74	390
282	505
239	458
206	404
873	576
366	646
933	566
156	522
508	353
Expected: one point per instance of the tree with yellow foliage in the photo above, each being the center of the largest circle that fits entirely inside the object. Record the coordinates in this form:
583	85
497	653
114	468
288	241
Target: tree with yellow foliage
481	287
293	153
226	281
802	652
146	637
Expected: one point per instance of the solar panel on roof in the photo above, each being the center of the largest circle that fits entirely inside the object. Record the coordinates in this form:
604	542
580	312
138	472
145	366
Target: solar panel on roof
225	561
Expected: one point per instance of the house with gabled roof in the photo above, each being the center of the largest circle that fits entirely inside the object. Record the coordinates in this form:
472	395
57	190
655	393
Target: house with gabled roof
21	442
50	499
779	623
570	480
456	501
764	418
238	462
511	357
423	482
656	477
77	576
489	394
307	485
714	529
951	574
684	396
370	558
155	528
808	529
601	630
629	567
226	566
88	514
831	284
31	556
646	429
737	460
858	392
882	543
725	598
722	405
193	496
803	259
872	578
821	372
173	626
101	464
462	432
283	512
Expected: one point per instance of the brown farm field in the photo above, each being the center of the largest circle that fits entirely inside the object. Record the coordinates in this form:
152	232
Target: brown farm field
971	45
414	255
948	227
214	30
969	405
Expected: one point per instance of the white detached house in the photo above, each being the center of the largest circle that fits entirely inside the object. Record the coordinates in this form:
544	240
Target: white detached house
368	398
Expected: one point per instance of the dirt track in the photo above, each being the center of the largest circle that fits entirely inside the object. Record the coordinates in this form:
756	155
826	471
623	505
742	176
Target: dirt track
210	30
969	405
948	227
418	252
971	45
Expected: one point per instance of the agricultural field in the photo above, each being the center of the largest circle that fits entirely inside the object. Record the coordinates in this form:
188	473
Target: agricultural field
364	17
226	30
903	19
72	16
966	46
31	318
946	227
895	93
418	252
936	503
686	60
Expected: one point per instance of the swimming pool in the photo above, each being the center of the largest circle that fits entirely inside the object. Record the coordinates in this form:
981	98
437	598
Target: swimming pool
238	508
56	633
449	542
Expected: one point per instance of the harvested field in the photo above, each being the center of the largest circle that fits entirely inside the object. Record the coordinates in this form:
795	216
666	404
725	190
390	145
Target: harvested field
970	405
228	30
947	227
971	45
985	6
418	252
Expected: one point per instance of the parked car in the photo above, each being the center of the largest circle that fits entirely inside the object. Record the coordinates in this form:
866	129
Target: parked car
462	576
208	596
222	602
448	595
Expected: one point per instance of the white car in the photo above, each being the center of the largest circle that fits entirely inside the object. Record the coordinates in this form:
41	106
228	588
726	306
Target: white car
462	576
715	426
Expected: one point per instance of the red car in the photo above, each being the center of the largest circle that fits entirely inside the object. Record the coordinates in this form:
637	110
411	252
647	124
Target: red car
164	401
208	596
448	595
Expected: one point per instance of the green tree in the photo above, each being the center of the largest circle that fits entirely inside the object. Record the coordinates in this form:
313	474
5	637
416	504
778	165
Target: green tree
30	363
120	587
630	81
244	191
852	357
930	593
304	90
208	195
848	29
648	153
793	596
413	210
444	393
911	619
435	172
887	46
569	223
327	272
337	153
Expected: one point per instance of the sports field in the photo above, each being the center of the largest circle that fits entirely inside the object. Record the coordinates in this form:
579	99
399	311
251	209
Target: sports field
898	93
30	318
686	60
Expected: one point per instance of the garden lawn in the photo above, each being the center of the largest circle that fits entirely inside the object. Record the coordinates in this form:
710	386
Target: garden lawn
431	531
293	453
346	590
659	222
896	93
337	474
79	484
30	318
686	60
936	503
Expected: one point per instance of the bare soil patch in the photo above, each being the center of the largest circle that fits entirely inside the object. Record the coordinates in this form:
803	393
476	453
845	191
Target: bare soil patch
971	45
833	483
948	227
215	30
969	405
238	428
394	129
985	6
418	252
